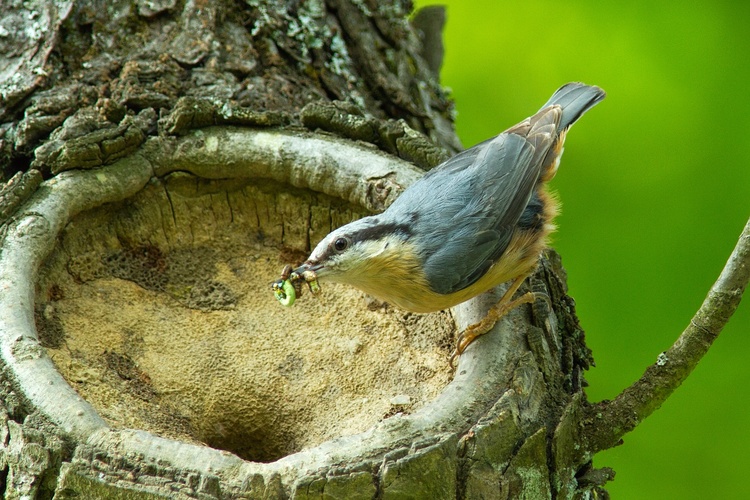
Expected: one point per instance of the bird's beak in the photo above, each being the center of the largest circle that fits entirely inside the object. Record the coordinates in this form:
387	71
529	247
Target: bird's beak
309	270
309	274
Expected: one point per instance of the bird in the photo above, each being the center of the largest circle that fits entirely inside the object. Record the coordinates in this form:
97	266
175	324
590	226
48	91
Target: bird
480	219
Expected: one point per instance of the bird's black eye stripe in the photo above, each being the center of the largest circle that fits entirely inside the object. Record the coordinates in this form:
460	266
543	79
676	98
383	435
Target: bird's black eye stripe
379	230
341	244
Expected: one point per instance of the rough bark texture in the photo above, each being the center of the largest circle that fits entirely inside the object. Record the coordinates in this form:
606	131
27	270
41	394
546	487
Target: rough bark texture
100	99
84	83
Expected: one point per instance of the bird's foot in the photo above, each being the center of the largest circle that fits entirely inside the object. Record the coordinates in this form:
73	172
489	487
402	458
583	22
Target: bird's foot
503	307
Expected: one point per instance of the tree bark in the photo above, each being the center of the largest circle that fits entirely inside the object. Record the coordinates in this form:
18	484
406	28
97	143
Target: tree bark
140	138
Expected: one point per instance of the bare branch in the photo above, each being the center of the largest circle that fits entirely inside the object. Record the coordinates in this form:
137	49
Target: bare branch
605	423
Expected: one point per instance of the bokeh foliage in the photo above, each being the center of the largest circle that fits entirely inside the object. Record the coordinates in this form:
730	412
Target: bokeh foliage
655	186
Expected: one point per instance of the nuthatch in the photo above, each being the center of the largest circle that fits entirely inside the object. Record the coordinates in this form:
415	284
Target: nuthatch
479	219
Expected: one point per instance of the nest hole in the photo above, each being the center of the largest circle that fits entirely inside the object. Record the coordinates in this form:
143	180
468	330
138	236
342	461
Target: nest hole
158	311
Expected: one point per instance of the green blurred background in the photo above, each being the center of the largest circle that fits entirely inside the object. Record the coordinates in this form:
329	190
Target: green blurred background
655	188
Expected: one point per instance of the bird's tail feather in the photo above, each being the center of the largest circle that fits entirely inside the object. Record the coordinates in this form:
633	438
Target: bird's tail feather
575	99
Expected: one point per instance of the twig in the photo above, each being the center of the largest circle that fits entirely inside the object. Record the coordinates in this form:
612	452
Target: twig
604	424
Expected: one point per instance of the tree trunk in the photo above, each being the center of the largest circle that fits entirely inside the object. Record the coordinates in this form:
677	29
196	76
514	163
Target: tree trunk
162	160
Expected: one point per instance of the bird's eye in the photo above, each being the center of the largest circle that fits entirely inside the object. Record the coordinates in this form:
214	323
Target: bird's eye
340	244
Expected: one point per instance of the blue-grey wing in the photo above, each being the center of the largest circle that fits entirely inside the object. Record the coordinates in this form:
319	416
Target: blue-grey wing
465	211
